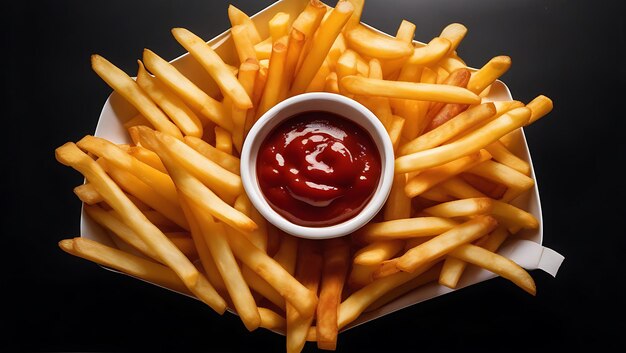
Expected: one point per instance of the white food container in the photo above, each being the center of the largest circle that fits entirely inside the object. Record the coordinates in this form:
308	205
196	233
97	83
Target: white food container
525	248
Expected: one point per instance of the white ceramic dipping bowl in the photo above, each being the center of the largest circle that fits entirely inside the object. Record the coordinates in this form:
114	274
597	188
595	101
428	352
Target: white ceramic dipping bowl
318	101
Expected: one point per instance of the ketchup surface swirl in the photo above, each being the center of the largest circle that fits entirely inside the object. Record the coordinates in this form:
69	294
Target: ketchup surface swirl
318	169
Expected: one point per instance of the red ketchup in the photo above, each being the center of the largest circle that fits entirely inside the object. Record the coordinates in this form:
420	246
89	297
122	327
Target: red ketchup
318	169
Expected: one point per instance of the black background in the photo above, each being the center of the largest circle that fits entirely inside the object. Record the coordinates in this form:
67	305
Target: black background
571	51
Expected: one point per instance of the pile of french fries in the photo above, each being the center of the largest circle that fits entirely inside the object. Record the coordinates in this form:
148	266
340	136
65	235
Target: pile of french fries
173	200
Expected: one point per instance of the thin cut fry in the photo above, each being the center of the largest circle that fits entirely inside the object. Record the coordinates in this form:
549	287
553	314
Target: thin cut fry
184	118
243	43
369	43
308	273
216	239
406	228
442	244
450	129
130	90
472	142
196	98
436	175
302	299
160	182
238	17
336	263
224	160
275	76
127	263
487	74
214	65
497	264
88	194
409	90
322	42
454	32
70	155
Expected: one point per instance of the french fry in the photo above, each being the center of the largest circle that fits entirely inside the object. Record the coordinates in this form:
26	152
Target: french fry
357	302
259	236
500	173
398	205
114	224
221	181
346	65
137	120
238	17
432	52
206	258
223	140
332	84
375	45
308	271
243	43
136	188
160	182
454	32
309	19
88	194
405	228
439	113
185	245
539	107
224	160
302	299
208	107
70	155
214	65
395	132
501	154
260	286
360	276
248	71
429	276
275	76
377	252
184	118
463	122
488	187
263	50
294	51
472	142
127	263
319	80
444	243
408	90
239	292
436	175
271	320
336	262
355	19
321	44
148	157
453	267
279	26
130	90
197	192
489	73
497	264
338	48
287	253
462	208
511	216
436	194
457	187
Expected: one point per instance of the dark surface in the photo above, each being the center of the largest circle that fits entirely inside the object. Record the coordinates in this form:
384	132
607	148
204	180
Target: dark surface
572	51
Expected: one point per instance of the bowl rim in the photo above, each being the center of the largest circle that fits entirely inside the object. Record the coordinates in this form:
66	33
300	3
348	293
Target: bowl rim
294	105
